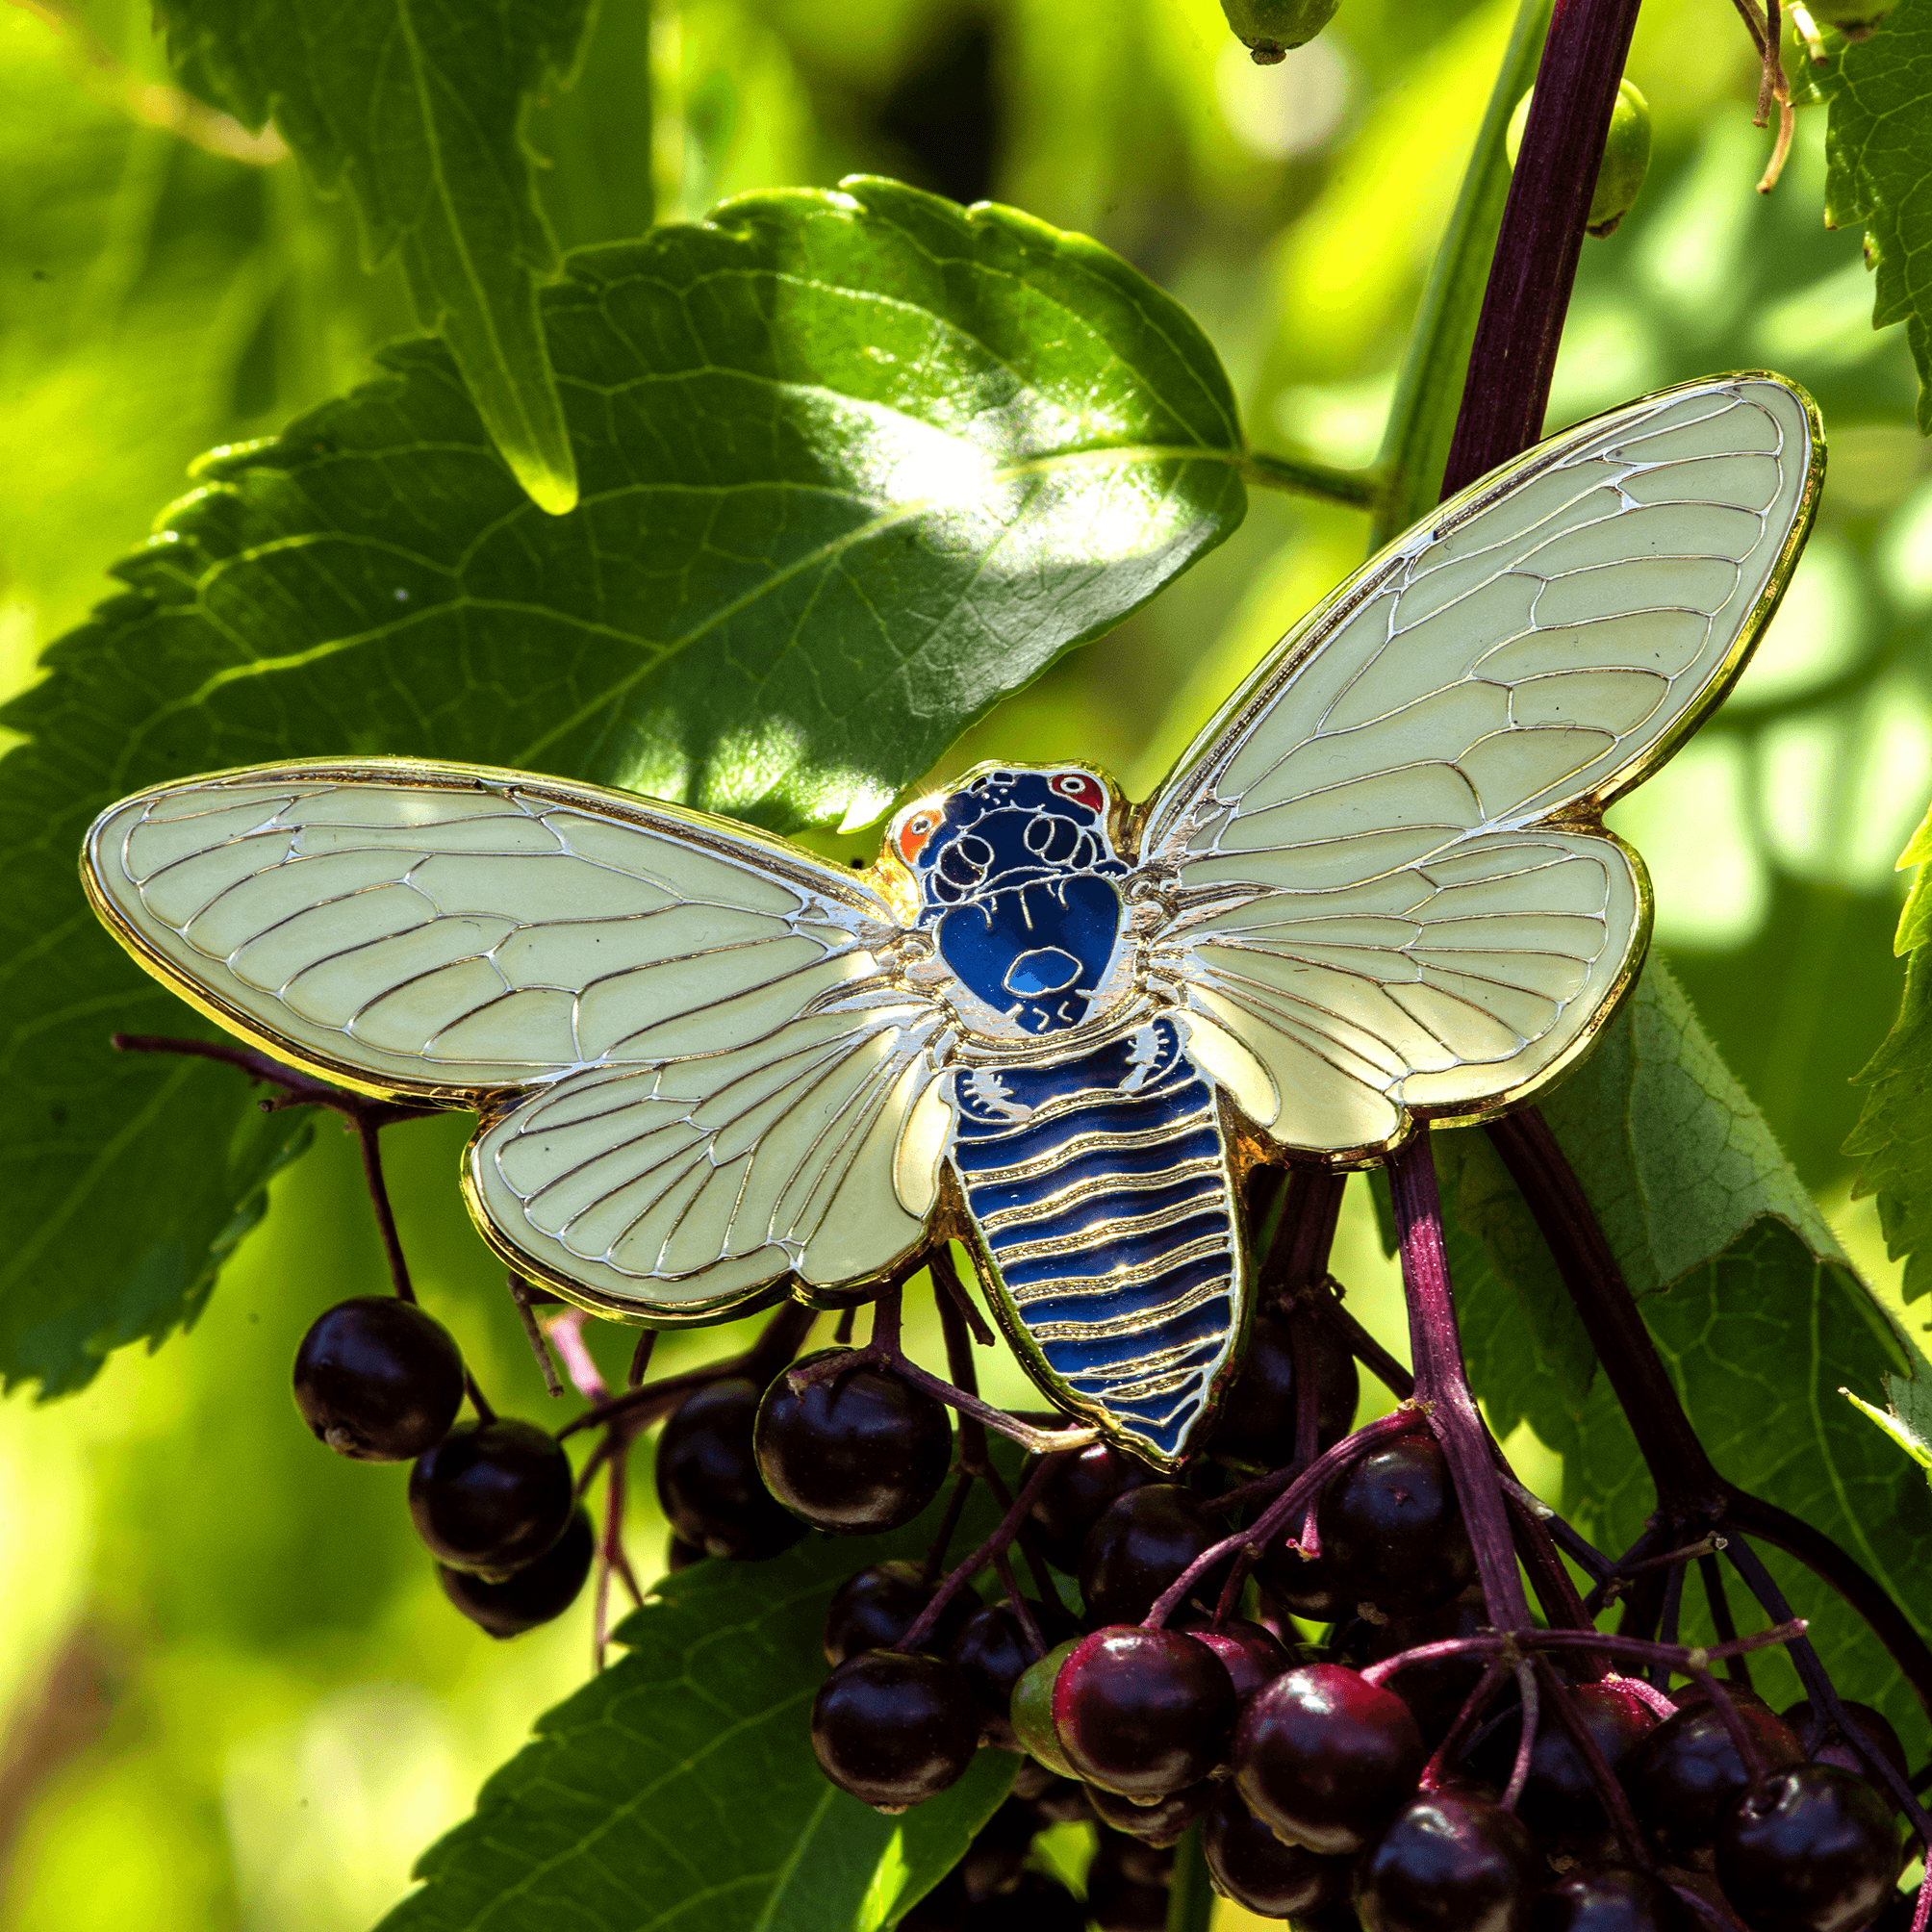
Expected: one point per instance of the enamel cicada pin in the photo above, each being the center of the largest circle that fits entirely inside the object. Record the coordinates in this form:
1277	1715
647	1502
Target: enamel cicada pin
711	1067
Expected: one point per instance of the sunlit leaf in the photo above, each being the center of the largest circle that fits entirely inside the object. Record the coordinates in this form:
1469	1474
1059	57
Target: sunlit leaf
415	108
1892	1140
1880	144
855	466
680	1787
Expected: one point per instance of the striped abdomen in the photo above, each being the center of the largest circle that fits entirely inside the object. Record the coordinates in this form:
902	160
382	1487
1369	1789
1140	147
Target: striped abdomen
1101	1192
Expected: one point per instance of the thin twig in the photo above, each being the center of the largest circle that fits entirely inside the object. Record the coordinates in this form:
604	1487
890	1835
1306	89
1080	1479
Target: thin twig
520	1293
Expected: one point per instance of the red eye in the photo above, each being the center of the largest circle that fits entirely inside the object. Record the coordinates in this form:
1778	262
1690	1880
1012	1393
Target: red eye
913	834
1080	786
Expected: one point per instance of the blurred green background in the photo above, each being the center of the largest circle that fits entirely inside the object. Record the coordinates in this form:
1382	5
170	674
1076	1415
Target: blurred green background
235	1696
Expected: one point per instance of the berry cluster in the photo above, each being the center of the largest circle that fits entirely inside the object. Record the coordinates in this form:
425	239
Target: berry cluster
380	1379
1442	1760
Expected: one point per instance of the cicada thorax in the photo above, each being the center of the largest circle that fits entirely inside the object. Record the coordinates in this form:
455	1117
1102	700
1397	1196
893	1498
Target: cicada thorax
1101	1192
1094	1158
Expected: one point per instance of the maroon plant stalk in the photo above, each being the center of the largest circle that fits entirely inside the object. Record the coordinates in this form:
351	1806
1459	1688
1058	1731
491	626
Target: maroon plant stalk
993	1547
1626	1649
1245	1544
1442	1385
1531	274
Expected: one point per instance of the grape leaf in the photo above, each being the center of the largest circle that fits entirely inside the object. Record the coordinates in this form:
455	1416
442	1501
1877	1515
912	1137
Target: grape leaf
1892	1140
855	466
417	107
1879	144
679	1787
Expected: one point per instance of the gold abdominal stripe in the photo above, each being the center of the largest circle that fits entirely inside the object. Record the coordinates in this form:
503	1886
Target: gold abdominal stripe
1099	1141
1072	1288
1127	1226
1096	1186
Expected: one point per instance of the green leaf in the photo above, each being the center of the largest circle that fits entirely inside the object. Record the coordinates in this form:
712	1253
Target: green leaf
1673	1154
1757	1315
856	465
416	108
1892	1140
1879	146
678	1787
1906	1417
1758	1343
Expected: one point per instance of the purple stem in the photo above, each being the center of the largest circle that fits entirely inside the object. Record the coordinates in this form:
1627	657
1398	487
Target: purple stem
995	1546
1515	352
1631	1649
1442	1385
1245	1544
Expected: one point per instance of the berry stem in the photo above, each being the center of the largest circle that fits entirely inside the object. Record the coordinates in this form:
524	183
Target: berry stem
1442	1383
520	1293
1190	1893
1450	1749
995	1546
952	1294
1529	1707
1711	1572
1608	1787
567	1335
385	1213
1324	1300
1298	1254
1631	1649
1822	1693
1245	1545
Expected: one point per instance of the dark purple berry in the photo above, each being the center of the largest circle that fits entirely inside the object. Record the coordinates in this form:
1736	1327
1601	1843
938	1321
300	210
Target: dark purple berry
1325	1757
378	1379
992	1648
1560	1803
1141	1542
1391	1531
1258	1415
1143	1711
1036	1904
492	1496
1449	1864
873	1609
1127	1884
1300	1585
679	1555
1609	1901
854	1451
1076	1494
1253	1868
1812	1850
995	1861
707	1477
1826	1744
1160	1823
1682	1776
534	1594
894	1728
1052	1798
1250	1655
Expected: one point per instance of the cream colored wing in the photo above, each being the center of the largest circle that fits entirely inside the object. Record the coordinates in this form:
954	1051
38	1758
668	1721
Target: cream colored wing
1381	878
583	968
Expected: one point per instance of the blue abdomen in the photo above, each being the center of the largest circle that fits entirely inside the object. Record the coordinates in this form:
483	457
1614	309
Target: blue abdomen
1101	1191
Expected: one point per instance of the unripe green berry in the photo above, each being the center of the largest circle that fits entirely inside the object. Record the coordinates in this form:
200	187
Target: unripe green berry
1031	1712
1269	28
1853	18
1626	155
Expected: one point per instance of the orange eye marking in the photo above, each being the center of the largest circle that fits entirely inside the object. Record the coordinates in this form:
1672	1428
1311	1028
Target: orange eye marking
913	834
1079	785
